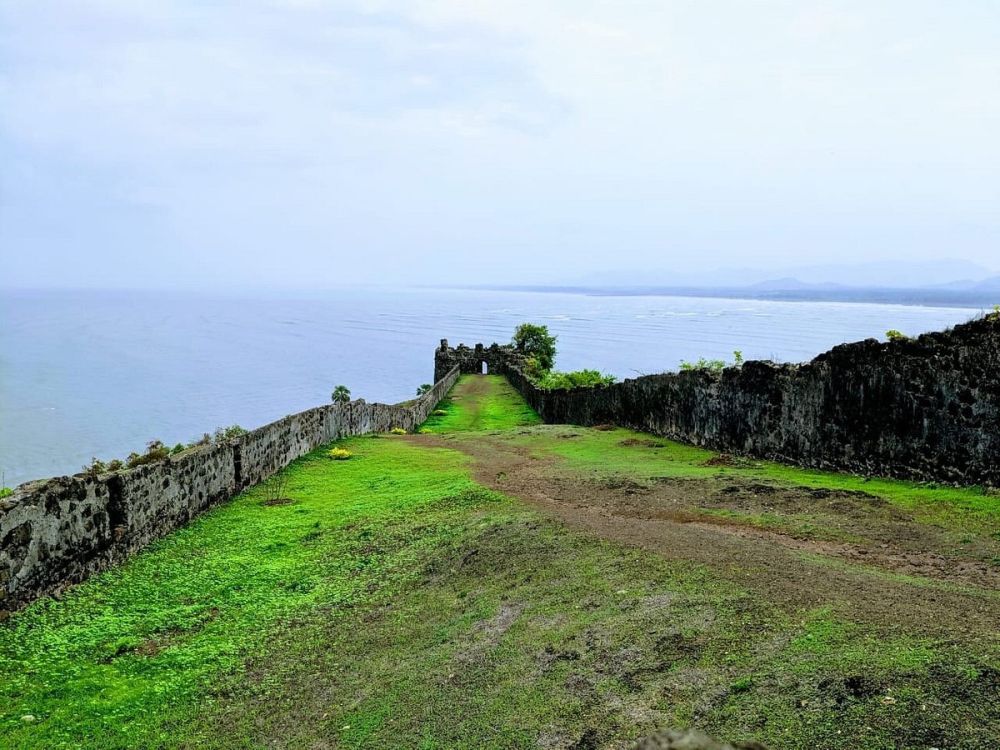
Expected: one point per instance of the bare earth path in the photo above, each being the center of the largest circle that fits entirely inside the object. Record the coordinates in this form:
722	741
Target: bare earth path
897	573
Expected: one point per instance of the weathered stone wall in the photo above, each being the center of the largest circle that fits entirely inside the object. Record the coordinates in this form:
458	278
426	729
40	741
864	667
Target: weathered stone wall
926	408
58	531
470	360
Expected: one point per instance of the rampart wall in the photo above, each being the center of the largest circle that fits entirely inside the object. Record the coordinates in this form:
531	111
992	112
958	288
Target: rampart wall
926	408
58	531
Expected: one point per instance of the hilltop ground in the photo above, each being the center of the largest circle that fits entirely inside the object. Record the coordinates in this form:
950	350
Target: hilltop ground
494	582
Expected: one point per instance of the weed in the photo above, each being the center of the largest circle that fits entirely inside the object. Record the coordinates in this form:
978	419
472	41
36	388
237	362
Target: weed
577	379
275	488
225	434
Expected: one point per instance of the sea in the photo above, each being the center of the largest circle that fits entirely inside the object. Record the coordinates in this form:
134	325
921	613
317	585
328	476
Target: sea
87	374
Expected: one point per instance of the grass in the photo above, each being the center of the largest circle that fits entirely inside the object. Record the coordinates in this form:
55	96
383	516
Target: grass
397	603
158	631
492	404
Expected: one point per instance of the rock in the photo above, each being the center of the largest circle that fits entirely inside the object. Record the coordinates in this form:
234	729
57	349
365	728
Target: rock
674	739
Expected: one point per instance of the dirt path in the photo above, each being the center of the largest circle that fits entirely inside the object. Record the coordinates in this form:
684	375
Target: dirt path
857	579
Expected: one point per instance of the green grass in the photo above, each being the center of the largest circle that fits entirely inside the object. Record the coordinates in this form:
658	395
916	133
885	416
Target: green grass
396	603
159	629
497	407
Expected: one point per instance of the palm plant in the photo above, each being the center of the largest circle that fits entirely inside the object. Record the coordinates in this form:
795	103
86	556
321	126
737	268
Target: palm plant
341	394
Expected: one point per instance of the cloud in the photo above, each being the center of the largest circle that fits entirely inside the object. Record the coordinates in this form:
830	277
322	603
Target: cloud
307	142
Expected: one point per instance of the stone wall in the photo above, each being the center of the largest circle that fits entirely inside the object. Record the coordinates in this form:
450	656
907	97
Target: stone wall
58	531
470	360
926	408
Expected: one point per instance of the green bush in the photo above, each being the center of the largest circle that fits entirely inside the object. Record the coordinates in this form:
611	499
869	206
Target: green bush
714	365
155	451
224	434
535	342
894	335
5	491
576	379
424	389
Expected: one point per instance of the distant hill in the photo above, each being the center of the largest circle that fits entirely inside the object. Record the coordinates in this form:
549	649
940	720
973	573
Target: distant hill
981	295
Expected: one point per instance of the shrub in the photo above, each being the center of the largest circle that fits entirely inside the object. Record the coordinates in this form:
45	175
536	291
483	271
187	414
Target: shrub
95	468
894	335
155	451
712	365
424	389
576	379
339	454
5	492
397	431
341	394
535	341
224	434
275	489
533	369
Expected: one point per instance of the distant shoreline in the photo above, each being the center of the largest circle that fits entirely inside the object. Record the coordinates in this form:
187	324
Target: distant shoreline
891	296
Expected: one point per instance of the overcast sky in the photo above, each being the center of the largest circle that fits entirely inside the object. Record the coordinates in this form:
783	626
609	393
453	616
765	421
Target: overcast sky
307	143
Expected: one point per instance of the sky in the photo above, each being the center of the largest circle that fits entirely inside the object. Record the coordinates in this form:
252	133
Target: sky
314	144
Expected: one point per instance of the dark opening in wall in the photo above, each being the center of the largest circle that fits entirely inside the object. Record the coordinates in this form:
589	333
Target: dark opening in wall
117	518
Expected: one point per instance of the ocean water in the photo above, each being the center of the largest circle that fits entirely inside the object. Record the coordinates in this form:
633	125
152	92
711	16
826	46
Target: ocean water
86	373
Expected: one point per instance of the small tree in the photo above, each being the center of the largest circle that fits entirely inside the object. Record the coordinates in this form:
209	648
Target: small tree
424	389
534	341
894	335
341	394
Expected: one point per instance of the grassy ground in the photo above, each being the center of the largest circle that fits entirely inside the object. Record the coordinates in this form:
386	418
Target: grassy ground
416	596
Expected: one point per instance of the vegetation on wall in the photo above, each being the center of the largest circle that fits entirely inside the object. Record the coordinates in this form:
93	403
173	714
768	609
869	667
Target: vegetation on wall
576	379
713	365
156	450
341	394
538	347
